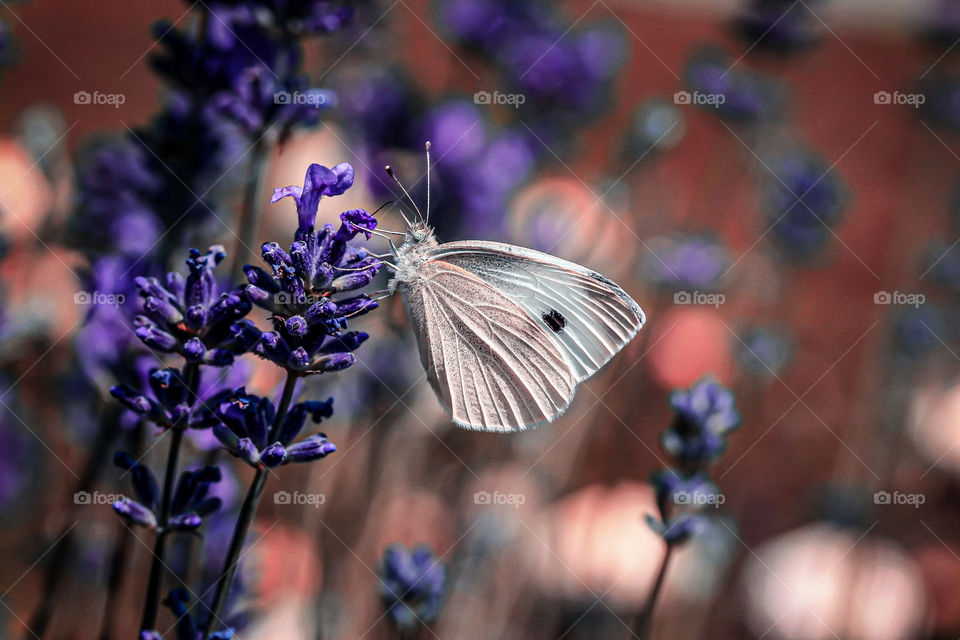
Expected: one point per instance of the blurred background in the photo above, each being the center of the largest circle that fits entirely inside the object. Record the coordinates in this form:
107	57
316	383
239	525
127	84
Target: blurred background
777	183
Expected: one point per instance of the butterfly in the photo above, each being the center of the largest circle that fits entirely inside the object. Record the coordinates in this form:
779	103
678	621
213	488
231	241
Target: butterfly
505	333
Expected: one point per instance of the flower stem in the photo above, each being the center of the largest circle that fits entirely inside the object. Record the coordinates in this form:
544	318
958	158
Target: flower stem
249	222
191	378
247	512
641	627
152	602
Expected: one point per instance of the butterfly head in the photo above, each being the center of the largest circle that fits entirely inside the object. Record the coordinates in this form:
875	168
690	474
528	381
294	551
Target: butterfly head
421	233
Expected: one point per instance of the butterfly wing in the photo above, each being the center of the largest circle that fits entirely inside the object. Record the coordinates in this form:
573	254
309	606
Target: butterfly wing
491	364
587	315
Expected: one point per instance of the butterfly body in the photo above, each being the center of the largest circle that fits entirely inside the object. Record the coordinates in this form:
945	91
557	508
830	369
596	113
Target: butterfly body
506	333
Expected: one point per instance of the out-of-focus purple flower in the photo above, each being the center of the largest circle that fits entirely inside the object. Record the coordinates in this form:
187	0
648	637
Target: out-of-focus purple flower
412	585
189	505
246	422
694	262
116	189
309	321
553	65
781	26
191	316
916	330
941	105
717	85
804	199
242	69
764	351
704	415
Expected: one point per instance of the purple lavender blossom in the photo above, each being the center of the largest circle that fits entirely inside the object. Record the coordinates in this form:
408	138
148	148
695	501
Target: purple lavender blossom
764	351
695	262
309	322
704	415
191	316
804	199
719	86
412	585
246	422
190	502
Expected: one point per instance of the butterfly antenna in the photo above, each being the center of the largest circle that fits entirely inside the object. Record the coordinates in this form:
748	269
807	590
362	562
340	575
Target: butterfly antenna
427	217
380	208
415	207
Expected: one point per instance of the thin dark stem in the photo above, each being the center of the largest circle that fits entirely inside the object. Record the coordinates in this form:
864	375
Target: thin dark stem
247	512
157	567
151	605
641	627
249	222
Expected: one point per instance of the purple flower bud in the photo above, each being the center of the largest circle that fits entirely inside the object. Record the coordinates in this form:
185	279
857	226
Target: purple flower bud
161	310
260	278
311	448
274	455
259	297
135	513
196	316
320	311
356	306
299	359
194	350
227	437
157	339
131	399
351	281
332	362
297	326
274	255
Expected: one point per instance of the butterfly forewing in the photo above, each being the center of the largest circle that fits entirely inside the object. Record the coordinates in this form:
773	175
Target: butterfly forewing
588	316
491	363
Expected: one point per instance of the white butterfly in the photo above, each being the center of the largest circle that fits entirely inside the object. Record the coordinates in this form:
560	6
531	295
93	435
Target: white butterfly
506	333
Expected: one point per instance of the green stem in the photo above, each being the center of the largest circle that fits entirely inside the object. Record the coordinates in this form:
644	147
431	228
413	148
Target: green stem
249	221
641	627
247	512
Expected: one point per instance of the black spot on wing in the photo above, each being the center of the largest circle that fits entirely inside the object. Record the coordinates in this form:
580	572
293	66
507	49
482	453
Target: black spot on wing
555	320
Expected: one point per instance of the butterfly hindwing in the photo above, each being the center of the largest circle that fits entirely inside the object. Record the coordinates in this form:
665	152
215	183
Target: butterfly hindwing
492	365
589	316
